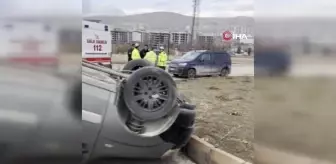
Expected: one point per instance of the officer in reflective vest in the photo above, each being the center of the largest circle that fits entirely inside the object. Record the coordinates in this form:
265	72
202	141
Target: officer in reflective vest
162	59
151	56
135	53
129	52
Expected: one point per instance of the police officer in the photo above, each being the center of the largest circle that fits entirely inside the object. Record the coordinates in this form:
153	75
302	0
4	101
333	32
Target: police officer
135	53
162	59
151	56
129	52
144	51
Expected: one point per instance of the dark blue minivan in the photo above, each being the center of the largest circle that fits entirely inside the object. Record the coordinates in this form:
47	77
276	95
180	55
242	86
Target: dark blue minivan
201	63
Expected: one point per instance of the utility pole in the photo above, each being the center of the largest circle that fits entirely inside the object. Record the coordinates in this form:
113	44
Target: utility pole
168	43
195	22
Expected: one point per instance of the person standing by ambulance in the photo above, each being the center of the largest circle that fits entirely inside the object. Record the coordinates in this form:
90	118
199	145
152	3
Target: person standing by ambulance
135	53
162	59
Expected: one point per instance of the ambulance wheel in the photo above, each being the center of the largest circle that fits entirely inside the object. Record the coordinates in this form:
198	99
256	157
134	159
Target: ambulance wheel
136	64
150	93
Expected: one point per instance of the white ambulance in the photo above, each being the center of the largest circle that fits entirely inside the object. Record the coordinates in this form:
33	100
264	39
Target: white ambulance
96	43
28	42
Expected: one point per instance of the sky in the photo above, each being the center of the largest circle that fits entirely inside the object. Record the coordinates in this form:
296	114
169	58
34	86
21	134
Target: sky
208	8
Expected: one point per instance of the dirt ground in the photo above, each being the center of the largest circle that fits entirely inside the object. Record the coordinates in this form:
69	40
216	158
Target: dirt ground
224	112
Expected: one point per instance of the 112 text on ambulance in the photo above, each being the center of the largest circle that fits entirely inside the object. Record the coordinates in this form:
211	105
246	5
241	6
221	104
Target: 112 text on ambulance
97	44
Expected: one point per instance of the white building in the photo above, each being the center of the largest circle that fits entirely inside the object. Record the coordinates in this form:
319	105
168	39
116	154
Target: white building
178	38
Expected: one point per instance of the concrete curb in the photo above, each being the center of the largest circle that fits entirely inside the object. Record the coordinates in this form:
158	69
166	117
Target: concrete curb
202	152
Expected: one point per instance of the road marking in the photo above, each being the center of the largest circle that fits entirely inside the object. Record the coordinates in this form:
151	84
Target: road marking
91	117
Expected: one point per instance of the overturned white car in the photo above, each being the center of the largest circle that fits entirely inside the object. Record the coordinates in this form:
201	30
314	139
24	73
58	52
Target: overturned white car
137	115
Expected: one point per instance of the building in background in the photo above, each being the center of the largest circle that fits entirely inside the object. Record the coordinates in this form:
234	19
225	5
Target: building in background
206	38
121	36
140	36
159	38
178	38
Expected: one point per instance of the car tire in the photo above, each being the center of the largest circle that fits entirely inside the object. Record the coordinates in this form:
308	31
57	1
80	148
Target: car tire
145	83
134	65
191	73
177	135
186	118
224	72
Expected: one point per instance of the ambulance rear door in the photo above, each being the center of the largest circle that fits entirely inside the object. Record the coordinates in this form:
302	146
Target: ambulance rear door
96	42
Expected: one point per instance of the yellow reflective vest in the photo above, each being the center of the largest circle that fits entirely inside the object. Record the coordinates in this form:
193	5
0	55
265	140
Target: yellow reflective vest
162	59
151	56
135	54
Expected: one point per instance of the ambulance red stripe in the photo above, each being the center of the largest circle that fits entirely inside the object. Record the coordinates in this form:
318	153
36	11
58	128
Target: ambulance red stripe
101	59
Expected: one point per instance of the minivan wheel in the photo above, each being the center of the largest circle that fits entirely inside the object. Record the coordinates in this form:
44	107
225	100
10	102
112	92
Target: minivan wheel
191	73
224	72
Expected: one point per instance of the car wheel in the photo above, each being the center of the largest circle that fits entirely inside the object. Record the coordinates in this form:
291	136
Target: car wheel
186	117
191	73
150	93
177	135
135	65
224	72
